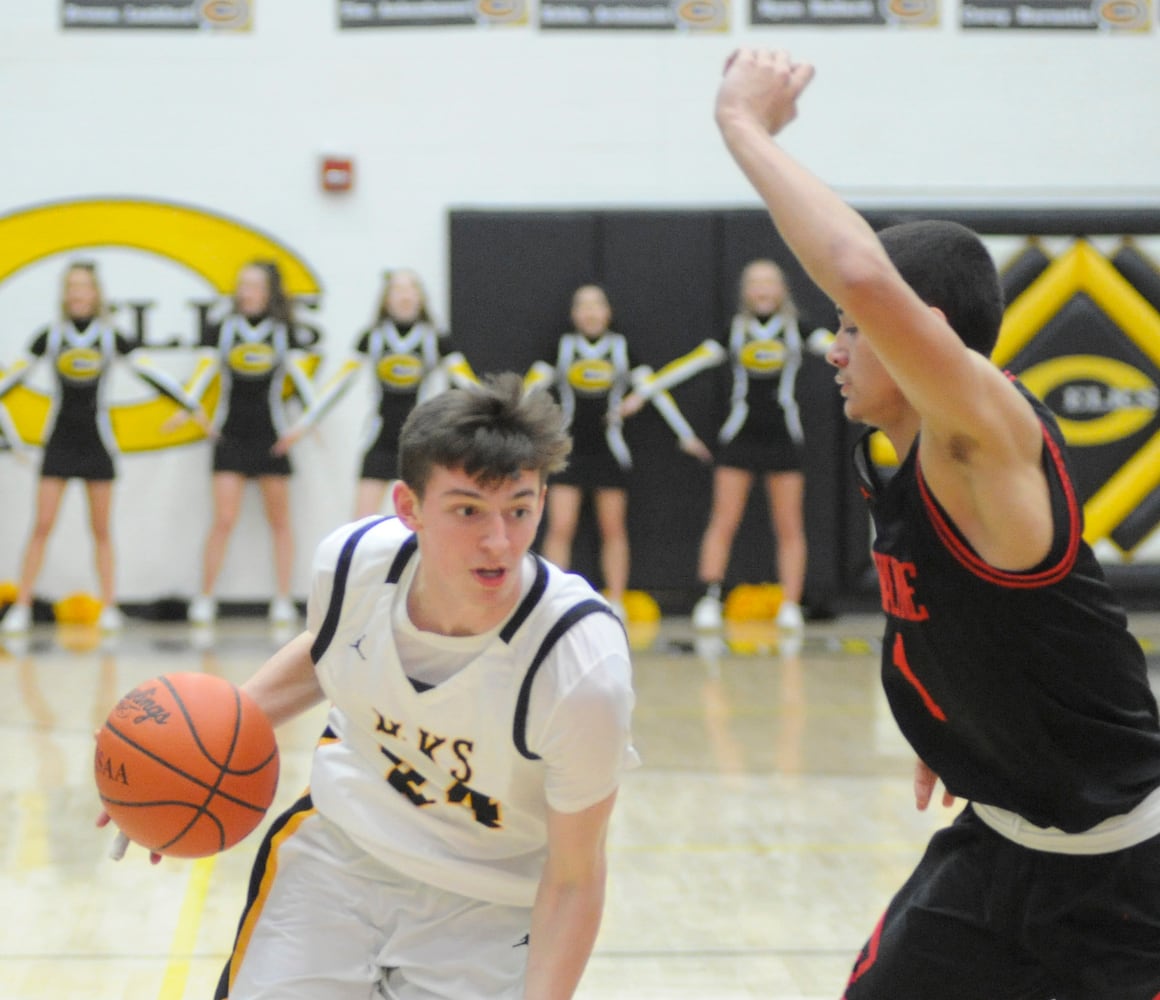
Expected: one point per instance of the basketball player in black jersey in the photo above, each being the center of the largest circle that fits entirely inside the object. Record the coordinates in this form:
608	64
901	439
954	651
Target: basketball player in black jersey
1006	659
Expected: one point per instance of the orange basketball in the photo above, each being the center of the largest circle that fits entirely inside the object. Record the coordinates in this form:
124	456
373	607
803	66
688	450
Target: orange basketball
186	765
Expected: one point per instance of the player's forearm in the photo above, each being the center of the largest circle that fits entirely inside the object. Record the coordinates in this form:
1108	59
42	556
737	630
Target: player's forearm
565	921
286	684
833	242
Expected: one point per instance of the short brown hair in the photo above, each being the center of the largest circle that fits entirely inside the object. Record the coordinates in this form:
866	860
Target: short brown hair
493	432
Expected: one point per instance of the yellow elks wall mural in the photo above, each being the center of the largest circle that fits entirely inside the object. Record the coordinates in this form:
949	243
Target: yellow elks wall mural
209	246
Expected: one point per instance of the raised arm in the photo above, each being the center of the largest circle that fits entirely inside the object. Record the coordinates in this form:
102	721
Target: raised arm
839	250
981	440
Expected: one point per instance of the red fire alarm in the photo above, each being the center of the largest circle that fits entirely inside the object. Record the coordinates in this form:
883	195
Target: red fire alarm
337	173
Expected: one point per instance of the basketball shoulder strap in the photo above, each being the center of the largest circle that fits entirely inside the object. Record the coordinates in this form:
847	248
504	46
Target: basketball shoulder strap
338	588
566	621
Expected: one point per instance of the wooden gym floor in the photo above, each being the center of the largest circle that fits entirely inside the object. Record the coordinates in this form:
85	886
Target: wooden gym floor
750	855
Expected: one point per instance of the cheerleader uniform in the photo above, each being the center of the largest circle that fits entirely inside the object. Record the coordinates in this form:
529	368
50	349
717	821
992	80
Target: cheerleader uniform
1028	696
591	379
254	357
78	438
410	363
762	431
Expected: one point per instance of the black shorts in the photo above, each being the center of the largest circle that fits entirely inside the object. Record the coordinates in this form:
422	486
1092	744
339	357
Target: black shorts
591	472
249	457
379	463
759	453
88	460
983	918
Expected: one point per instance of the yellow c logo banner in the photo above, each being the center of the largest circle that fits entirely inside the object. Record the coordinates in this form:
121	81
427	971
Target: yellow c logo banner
211	246
1101	399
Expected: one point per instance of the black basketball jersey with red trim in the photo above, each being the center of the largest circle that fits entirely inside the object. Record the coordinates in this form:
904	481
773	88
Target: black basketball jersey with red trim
1020	690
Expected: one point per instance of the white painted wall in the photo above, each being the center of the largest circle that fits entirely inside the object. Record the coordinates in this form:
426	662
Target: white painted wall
505	117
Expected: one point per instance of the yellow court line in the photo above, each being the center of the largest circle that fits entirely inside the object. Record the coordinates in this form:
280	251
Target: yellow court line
188	924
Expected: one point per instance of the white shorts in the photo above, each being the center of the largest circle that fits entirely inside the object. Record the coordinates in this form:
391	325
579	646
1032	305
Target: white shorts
327	920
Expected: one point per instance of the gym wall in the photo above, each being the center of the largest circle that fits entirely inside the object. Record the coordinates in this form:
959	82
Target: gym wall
1082	329
235	126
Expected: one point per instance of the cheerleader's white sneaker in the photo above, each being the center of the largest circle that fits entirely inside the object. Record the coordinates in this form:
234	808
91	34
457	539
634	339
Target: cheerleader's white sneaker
789	617
283	611
17	620
707	614
202	610
111	619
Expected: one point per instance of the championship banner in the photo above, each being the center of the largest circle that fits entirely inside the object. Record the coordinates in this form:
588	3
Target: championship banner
1112	16
164	15
846	13
429	13
635	15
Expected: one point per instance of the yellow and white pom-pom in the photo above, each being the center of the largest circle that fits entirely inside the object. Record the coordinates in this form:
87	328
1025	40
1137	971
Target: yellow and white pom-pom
77	609
753	602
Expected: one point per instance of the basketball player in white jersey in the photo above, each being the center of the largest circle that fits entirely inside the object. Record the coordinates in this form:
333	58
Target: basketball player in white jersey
451	844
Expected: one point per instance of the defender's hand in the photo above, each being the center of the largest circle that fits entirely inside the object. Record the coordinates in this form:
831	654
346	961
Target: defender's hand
761	87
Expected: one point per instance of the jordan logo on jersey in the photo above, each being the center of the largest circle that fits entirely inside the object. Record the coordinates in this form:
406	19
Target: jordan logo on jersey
895	580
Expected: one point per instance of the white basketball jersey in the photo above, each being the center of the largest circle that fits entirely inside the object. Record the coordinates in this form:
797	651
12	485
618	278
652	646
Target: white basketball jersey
444	782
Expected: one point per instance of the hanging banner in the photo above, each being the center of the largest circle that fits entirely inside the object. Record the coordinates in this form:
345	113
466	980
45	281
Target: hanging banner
164	15
635	15
1112	16
429	13
846	13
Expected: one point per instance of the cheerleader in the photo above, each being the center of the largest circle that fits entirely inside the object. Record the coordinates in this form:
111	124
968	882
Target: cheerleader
593	376
410	361
79	443
760	436
254	350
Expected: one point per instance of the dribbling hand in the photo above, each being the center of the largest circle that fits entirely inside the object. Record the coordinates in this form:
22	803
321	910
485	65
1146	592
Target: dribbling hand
121	842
